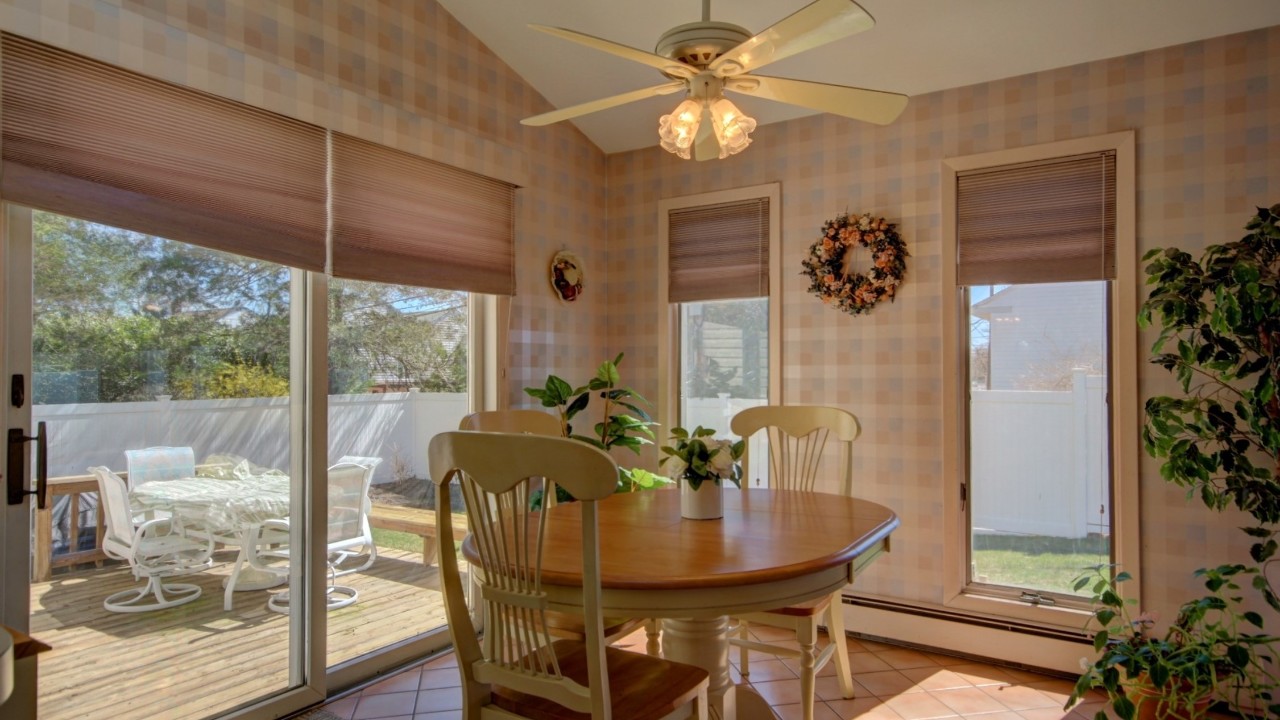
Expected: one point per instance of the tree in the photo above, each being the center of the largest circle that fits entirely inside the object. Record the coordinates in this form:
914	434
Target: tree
121	316
397	337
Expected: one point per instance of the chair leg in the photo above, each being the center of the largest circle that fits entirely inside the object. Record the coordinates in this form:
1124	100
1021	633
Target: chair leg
134	600
835	632
807	635
652	634
701	710
743	653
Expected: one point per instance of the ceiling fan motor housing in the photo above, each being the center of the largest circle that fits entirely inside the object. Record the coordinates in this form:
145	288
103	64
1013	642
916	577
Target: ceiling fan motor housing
699	43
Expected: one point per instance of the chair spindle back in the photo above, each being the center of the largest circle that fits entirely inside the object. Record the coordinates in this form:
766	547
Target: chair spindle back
798	436
493	471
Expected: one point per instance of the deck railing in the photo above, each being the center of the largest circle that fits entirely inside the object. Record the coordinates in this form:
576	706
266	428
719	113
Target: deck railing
74	487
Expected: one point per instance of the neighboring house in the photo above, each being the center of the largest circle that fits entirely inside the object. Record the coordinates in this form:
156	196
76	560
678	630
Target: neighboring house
1040	333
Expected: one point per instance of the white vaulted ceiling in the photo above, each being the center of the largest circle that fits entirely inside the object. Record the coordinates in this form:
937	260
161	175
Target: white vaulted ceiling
916	47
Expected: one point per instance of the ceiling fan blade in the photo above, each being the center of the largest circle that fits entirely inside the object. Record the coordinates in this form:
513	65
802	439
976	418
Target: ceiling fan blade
666	65
873	106
815	24
556	116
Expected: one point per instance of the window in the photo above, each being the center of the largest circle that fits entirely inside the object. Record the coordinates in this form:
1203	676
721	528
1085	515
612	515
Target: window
720	335
1041	440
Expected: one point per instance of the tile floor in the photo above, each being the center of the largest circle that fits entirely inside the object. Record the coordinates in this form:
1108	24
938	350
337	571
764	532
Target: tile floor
890	683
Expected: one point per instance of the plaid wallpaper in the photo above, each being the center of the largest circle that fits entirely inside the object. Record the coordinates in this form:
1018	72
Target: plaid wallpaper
1207	121
1206	115
404	74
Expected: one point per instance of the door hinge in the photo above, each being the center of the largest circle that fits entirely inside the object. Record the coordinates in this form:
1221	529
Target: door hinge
964	495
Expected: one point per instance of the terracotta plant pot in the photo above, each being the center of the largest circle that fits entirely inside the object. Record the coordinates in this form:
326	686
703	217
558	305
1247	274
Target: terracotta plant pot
1155	704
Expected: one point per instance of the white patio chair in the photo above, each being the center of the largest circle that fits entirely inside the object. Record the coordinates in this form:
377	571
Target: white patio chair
159	463
349	534
797	436
154	550
518	671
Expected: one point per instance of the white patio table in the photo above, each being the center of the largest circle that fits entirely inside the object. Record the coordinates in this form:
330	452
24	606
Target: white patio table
226	508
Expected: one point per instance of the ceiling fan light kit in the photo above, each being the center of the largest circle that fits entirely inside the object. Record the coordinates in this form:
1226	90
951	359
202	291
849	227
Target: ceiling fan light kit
707	58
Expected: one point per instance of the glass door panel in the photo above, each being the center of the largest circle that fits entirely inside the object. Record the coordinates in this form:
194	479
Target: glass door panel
161	371
398	374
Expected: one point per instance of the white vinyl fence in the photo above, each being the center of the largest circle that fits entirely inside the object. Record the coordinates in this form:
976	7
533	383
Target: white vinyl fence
393	426
1038	460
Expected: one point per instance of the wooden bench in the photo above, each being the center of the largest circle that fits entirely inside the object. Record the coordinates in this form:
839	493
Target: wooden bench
415	521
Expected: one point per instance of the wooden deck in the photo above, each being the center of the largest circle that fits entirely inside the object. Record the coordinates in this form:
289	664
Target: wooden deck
197	660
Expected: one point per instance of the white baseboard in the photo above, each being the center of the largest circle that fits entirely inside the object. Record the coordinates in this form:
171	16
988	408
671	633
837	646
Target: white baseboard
1007	643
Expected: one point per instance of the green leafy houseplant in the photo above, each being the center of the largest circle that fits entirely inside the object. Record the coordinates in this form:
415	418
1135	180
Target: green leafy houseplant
624	423
1219	321
696	457
1207	652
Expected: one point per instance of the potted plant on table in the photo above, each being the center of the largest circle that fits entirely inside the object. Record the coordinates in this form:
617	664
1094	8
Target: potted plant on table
1219	320
699	462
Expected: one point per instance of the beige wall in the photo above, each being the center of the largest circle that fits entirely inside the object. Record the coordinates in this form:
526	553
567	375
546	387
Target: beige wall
1207	121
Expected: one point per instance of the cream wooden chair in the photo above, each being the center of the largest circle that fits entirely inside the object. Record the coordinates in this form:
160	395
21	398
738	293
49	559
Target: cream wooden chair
518	671
536	422
533	422
797	436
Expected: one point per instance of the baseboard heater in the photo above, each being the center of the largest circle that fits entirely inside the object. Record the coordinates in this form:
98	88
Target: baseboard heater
1006	641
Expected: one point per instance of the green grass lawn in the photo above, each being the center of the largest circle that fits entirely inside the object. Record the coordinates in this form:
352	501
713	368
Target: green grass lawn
1036	562
397	540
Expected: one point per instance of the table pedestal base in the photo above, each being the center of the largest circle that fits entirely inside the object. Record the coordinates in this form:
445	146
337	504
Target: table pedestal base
705	643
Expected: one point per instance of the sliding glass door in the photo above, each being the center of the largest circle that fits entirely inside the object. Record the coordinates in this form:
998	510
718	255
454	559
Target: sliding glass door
160	375
398	374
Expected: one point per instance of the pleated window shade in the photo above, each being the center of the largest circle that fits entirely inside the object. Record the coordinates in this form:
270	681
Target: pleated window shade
1051	221
92	141
401	218
718	252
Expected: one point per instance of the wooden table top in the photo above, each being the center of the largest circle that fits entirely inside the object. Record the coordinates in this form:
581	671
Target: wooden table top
765	536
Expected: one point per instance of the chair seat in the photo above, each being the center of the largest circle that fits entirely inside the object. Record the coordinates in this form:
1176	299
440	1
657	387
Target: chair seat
571	626
641	687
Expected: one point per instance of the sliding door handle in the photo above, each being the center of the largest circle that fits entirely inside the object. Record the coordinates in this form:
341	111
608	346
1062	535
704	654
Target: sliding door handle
17	478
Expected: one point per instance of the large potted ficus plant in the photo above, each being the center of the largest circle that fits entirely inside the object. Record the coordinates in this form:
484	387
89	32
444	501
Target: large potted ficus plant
624	420
1219	322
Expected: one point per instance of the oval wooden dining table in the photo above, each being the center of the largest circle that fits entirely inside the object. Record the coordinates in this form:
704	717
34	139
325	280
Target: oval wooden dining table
772	548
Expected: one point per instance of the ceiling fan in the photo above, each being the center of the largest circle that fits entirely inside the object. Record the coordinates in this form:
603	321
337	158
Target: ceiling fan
707	58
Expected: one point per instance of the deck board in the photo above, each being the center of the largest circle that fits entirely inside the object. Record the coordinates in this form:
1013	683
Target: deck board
197	660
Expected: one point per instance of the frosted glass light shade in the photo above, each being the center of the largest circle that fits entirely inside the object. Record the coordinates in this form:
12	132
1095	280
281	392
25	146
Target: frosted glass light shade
678	130
732	127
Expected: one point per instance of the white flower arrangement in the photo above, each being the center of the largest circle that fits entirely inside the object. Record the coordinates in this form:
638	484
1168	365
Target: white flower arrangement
696	457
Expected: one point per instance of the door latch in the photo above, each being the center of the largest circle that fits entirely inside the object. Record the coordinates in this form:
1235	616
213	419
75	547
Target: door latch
17	478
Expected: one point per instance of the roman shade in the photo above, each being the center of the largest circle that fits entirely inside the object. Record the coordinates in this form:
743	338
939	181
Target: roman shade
89	140
1049	221
402	218
718	252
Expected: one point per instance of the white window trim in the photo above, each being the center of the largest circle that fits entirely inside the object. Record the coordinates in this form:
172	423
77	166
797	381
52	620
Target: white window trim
668	313
1125	403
